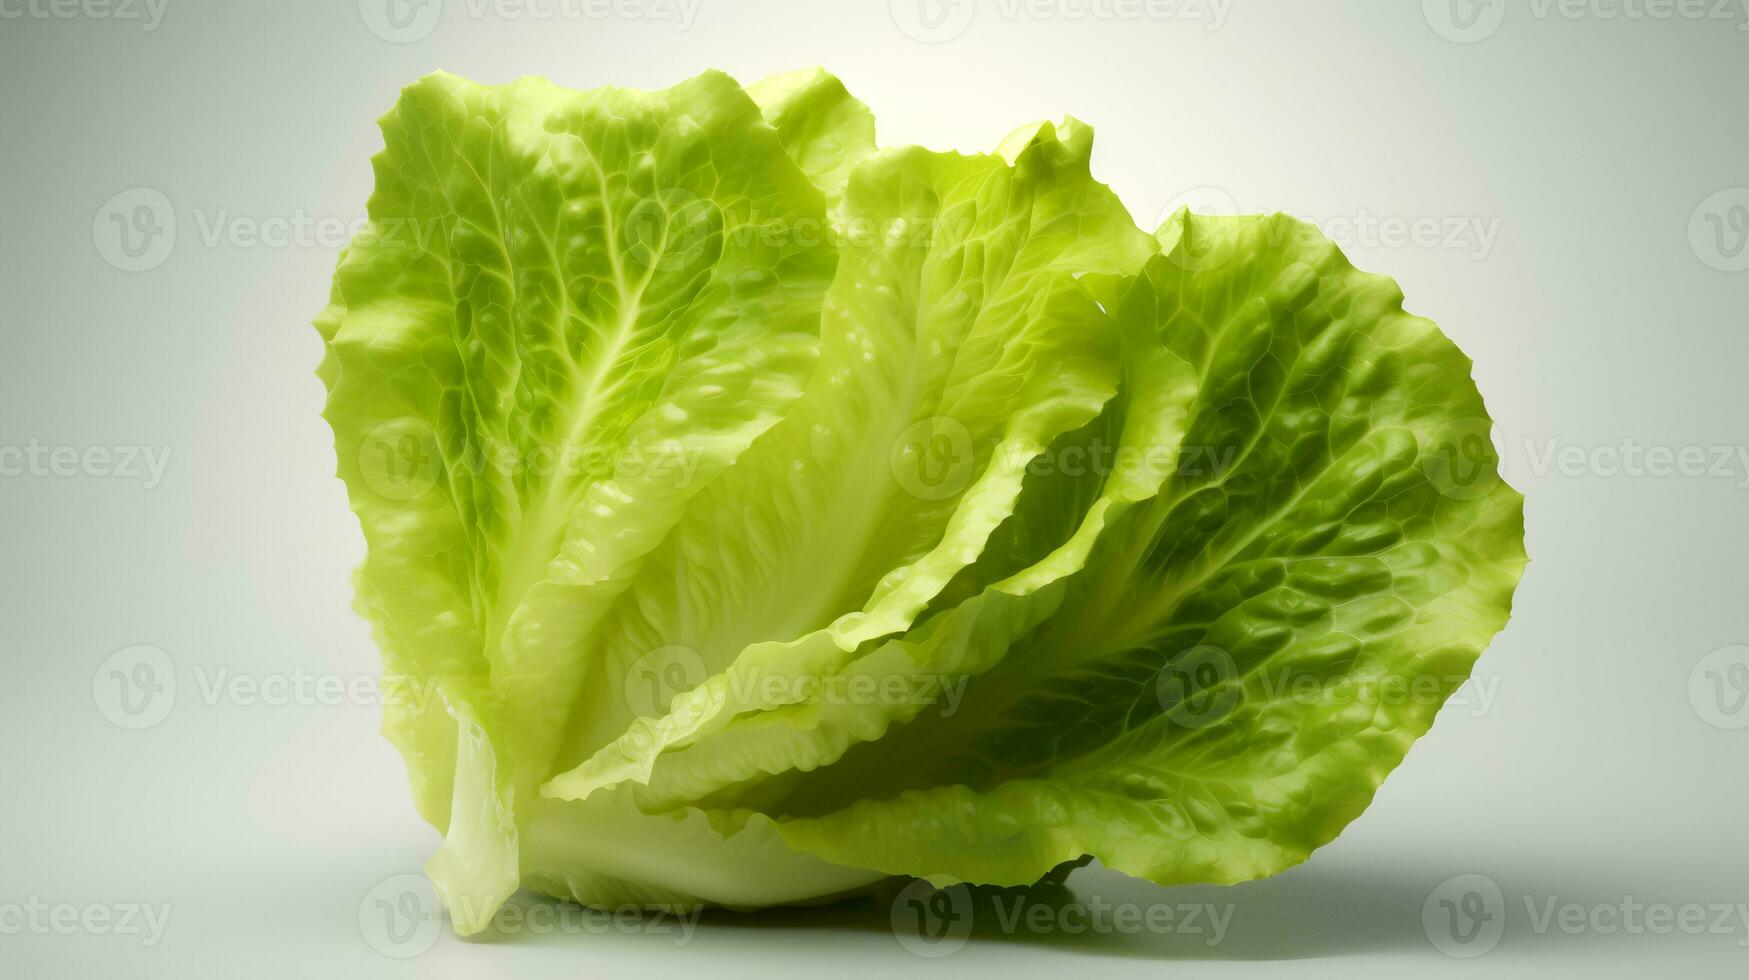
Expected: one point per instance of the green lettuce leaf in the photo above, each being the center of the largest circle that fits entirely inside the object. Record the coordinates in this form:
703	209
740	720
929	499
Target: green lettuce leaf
958	346
1227	683
825	129
607	302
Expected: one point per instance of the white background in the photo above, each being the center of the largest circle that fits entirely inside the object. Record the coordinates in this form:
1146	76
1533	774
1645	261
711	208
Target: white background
1585	166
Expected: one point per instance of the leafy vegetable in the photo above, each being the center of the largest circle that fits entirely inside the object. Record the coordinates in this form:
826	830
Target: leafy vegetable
772	514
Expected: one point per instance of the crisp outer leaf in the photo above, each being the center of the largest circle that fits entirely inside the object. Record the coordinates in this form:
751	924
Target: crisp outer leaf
1232	677
569	312
826	130
958	346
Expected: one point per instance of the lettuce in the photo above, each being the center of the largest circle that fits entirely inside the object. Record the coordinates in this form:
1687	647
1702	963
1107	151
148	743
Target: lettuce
769	514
